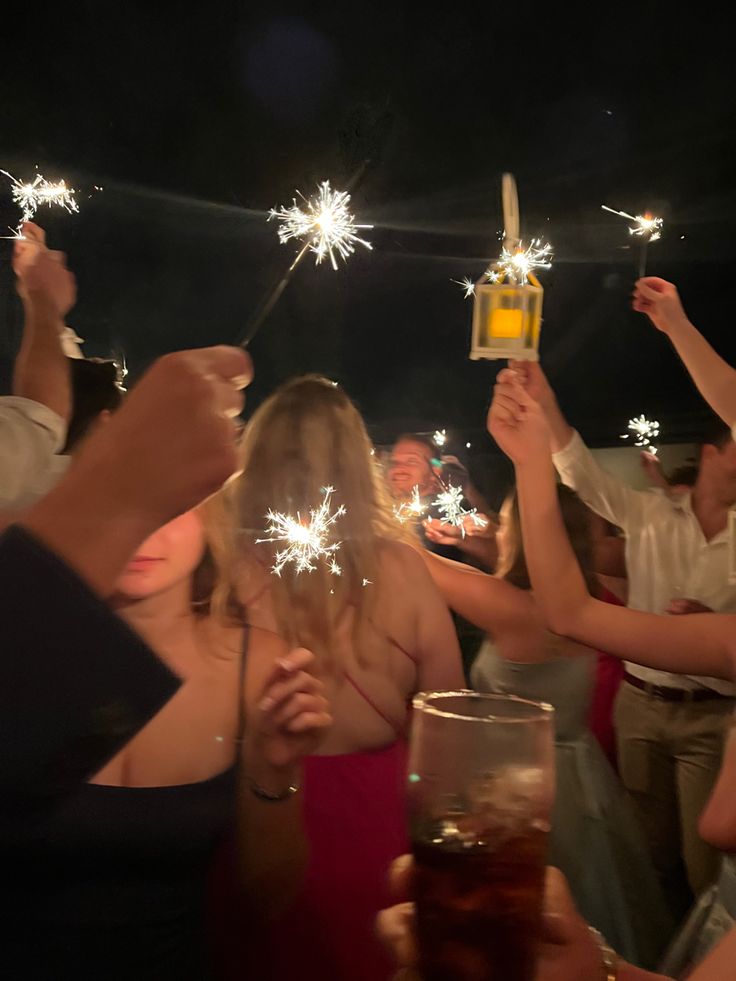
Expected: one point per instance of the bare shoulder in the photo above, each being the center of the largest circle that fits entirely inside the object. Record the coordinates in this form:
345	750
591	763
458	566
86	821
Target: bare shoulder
400	558
402	568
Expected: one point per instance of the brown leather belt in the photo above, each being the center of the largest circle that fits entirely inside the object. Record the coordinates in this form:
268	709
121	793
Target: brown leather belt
673	694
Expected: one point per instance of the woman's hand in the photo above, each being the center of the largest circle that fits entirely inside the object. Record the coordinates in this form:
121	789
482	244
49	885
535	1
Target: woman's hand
660	301
516	421
290	719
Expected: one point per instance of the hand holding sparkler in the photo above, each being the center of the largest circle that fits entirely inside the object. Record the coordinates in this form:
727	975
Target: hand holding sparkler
41	273
660	301
472	525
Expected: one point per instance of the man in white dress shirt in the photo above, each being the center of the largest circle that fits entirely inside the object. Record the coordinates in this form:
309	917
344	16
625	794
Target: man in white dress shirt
670	728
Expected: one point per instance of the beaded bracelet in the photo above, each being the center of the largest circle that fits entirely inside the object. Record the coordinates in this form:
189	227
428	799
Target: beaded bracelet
608	956
269	798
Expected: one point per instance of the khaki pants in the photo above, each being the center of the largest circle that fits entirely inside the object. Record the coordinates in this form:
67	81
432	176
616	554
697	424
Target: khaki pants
669	754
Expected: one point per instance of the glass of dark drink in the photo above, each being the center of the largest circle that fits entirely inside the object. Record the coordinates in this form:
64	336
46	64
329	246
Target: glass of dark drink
481	787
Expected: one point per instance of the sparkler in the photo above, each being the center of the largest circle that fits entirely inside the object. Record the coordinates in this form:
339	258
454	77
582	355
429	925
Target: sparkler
449	502
30	196
467	284
324	225
515	265
440	437
644	431
646	227
308	542
413	508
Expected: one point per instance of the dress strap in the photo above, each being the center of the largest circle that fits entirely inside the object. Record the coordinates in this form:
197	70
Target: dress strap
399	729
241	687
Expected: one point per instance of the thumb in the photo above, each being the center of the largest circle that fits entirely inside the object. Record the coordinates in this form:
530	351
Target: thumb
560	914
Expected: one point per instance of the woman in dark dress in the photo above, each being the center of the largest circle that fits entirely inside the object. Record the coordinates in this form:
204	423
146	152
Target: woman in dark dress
110	883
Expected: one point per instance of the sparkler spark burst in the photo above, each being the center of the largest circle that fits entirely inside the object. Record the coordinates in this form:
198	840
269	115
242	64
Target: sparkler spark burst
467	284
324	225
440	437
30	196
644	431
516	265
306	542
413	508
449	502
645	226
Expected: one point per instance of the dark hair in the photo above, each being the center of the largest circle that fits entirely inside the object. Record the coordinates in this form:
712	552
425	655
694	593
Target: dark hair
686	475
95	389
714	432
575	517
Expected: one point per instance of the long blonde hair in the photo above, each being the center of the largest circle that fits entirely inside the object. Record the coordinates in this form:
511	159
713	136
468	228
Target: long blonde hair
306	437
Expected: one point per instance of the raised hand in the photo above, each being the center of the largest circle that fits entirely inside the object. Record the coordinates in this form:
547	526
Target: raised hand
660	301
516	421
534	380
42	273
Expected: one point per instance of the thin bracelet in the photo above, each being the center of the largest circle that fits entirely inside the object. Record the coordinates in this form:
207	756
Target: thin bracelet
608	956
265	795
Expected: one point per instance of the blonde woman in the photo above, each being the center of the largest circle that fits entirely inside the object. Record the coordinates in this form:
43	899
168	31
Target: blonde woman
379	632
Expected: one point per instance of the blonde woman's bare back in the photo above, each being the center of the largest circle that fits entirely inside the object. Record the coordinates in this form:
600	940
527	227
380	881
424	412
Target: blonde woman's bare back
412	647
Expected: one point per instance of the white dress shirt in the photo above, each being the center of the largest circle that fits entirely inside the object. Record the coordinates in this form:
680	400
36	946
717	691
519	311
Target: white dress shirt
667	554
31	436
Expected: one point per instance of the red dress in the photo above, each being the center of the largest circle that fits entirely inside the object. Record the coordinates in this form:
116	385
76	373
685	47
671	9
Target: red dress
609	675
355	823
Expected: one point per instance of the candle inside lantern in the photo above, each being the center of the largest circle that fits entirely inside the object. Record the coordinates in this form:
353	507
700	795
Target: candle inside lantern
506	321
503	322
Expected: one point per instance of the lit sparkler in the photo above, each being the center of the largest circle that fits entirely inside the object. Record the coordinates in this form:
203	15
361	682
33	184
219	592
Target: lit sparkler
644	431
413	508
440	437
324	225
306	542
30	196
517	264
646	227
467	284
449	502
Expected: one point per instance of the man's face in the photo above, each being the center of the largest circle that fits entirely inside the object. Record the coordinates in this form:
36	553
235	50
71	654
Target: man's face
411	465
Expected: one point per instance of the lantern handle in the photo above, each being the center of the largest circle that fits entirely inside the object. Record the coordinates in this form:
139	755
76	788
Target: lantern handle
511	220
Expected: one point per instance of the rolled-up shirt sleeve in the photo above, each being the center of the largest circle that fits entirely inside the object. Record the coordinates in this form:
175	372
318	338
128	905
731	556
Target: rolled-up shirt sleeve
608	496
31	436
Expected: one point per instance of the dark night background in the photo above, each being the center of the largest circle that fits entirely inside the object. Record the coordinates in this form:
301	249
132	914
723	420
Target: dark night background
195	123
